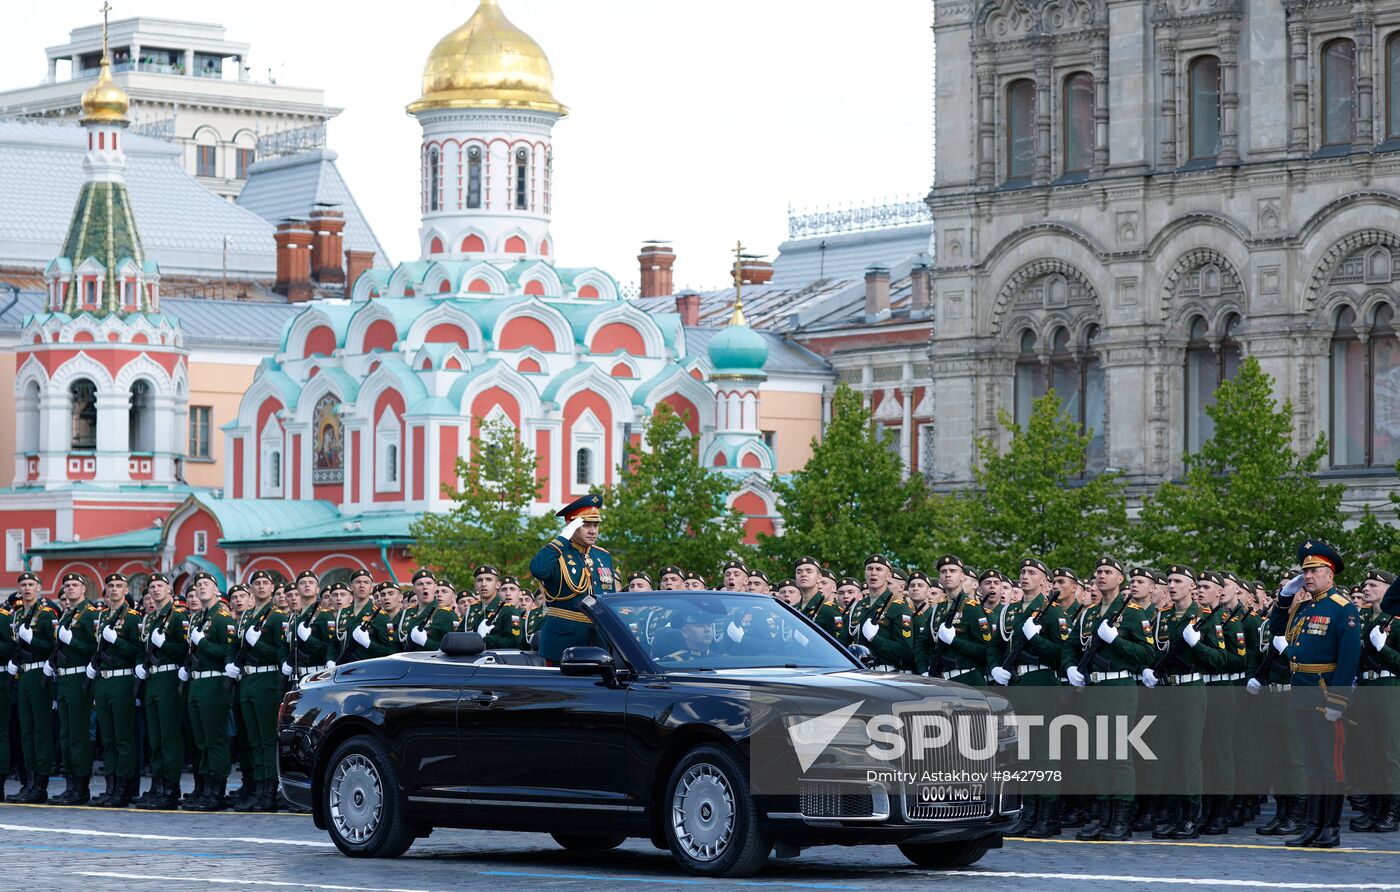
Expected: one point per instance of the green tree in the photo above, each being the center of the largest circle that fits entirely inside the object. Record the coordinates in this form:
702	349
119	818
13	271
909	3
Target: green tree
1371	543
1247	497
1034	500
666	507
851	499
490	522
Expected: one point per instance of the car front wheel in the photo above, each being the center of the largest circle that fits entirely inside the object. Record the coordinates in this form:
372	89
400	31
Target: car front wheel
945	854
709	818
363	804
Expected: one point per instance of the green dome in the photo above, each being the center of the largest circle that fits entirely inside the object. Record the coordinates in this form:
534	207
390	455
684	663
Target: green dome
738	350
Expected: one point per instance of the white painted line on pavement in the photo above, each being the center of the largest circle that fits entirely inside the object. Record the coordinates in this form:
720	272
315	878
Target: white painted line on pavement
73	831
281	884
1177	881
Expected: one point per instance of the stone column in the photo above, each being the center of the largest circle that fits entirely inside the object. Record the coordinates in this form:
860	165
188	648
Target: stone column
113	415
986	125
1100	71
1228	36
1298	74
1043	75
1166	57
906	432
55	435
1363	130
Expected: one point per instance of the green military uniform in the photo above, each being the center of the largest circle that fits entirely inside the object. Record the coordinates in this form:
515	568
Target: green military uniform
1226	635
1379	670
965	659
347	621
571	578
893	642
7	653
431	620
825	614
259	695
35	695
499	624
315	649
74	698
114	697
383	635
164	707
212	636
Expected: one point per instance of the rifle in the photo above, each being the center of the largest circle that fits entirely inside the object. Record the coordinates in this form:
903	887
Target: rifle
935	657
1174	650
1013	653
365	622
1096	643
58	645
97	655
243	647
146	660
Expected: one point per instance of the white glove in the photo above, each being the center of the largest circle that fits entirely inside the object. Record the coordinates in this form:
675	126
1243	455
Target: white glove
735	633
484	628
419	636
1000	675
1291	586
1075	677
869	629
1107	632
1253	686
1149	678
158	638
90	672
571	527
800	638
141	672
361	637
1280	643
303	631
109	635
65	635
26	634
251	636
1190	635
330	664
1377	637
286	669
946	633
1030	628
48	670
232	671
12	668
183	675
1331	714
196	636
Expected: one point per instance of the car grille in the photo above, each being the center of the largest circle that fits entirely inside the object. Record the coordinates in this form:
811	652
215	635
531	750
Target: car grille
950	760
837	799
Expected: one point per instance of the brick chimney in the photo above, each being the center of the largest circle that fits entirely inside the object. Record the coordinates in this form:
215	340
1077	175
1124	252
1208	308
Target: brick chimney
293	238
918	290
656	261
327	224
688	305
356	262
755	272
877	294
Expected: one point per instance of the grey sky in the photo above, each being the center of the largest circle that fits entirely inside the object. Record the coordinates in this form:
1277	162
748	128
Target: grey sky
697	122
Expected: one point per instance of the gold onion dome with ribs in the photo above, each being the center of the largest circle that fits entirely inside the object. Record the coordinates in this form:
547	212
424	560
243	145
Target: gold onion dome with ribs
488	63
104	100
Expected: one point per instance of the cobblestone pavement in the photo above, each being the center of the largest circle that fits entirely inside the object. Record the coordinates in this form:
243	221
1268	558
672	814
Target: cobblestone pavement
54	848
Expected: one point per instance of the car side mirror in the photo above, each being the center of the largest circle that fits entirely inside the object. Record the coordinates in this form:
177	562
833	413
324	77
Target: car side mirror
862	653
462	644
579	661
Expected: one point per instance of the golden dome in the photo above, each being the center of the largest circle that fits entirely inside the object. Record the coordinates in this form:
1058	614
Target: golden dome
488	63
104	100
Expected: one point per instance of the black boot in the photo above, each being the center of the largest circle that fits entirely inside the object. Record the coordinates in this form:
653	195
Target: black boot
1145	816
1366	822
1213	824
162	796
156	792
250	801
1386	820
66	797
1189	827
1330	836
1118	827
1283	818
82	790
1072	813
1239	811
267	800
109	787
38	793
213	798
126	787
1047	823
1312	822
1099	820
197	792
1168	816
1029	806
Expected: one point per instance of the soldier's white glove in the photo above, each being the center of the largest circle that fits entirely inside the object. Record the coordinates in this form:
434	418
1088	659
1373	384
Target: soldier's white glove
1190	635
303	631
182	673
1291	586
141	672
419	636
1030	628
1253	686
1149	678
1331	714
1280	643
286	669
800	638
251	636
484	628
90	671
1377	637
869	629
12	668
232	671
1075	677
361	636
330	664
158	638
946	633
26	634
735	633
48	670
1107	632
65	635
1000	675
196	636
571	527
109	635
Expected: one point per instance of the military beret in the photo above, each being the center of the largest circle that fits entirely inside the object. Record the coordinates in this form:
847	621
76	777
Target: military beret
1142	573
510	580
692	618
825	573
240	587
260	574
991	573
877	559
356	574
1109	561
806	559
672	570
1319	553
1182	570
787	583
306	574
1379	576
203	575
846	580
733	565
157	577
424	573
486	570
385	586
1232	577
27	577
761	575
1158	577
640	574
1067	573
950	560
333	588
445	583
691	574
71	577
1036	564
899	574
1214	576
115	577
919	574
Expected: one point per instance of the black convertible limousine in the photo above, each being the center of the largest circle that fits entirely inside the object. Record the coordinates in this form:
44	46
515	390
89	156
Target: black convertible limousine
665	731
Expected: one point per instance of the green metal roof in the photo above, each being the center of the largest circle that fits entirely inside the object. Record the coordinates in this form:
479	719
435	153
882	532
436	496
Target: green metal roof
147	539
264	520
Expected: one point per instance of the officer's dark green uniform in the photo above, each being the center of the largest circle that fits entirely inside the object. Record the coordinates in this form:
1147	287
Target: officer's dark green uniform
534	618
571	578
1379	672
259	695
164	707
212	637
893	640
347	621
498	623
965	658
114	697
74	696
820	611
34	693
7	653
382	629
317	625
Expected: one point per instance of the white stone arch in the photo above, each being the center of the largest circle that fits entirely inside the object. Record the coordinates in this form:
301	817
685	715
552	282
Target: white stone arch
600	382
1328	260
613	360
607	288
84	323
1047	263
627	313
207	135
245	138
142	366
530	353
32	370
1325	316
535	308
368	282
445	313
754	486
369	313
514	231
1227	256
311	394
81	366
680	382
404	381
264	388
508	379
587	432
439	365
404	277
294	342
488	273
545	274
1372	301
468	231
428	237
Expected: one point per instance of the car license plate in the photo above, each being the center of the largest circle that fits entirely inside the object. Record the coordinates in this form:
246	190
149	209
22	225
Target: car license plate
949	794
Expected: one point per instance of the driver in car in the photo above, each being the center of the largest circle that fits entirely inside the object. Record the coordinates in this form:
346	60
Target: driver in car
697	632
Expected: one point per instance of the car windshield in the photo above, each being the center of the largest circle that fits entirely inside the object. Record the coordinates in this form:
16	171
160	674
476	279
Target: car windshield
700	631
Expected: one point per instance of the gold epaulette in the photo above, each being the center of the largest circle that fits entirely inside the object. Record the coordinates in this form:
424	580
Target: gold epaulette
602	549
1339	599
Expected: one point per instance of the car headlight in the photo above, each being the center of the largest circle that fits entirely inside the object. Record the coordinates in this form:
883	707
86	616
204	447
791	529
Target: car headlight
1007	729
852	733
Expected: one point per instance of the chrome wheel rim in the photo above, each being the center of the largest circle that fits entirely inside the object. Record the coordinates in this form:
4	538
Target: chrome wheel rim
702	812
356	798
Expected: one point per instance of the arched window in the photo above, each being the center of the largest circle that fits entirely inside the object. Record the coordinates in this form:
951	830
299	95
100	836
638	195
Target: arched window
1078	122
28	419
1338	108
1203	84
1077	379
522	179
1030	378
474	177
140	419
583	467
1020	130
1365	391
82	399
388	436
434	179
1392	87
1207	367
271	449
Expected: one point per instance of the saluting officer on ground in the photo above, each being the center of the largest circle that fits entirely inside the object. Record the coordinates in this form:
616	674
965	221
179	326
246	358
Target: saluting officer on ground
573	570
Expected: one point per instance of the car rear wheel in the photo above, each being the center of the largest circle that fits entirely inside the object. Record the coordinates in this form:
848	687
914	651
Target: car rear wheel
945	854
709	817
364	807
584	842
